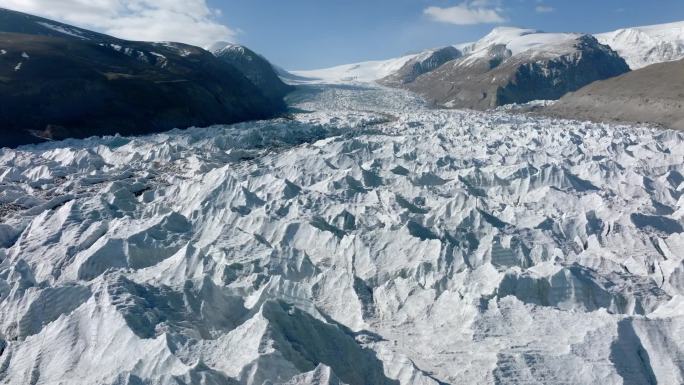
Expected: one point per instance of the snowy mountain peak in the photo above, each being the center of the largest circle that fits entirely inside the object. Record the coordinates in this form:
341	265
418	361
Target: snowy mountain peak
222	46
422	63
510	32
643	46
519	40
255	67
428	54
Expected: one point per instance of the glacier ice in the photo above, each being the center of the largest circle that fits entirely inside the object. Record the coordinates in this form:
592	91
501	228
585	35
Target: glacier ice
366	239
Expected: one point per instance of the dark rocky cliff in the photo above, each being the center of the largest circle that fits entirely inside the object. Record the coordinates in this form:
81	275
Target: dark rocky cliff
423	63
552	78
255	67
59	81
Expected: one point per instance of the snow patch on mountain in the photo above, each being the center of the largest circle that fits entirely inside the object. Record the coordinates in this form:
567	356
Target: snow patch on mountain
65	30
519	40
221	46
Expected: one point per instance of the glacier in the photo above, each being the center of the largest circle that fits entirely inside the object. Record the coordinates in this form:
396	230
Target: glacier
364	239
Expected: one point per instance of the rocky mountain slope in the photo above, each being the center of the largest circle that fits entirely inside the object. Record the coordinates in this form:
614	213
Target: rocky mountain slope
643	46
652	94
59	81
420	64
371	240
254	66
516	66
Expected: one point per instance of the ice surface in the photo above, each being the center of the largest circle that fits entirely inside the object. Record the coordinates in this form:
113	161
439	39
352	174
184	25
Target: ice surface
365	240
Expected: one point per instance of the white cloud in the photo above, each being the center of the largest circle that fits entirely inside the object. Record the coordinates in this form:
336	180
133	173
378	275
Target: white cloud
186	21
544	9
467	13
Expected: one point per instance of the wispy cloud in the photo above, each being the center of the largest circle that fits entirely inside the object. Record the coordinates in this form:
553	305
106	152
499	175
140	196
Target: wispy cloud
467	13
544	9
186	21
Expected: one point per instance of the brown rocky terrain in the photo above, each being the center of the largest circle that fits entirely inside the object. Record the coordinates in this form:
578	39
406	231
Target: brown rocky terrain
654	94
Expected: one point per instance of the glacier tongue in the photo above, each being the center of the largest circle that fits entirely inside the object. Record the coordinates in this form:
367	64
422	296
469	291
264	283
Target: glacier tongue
366	240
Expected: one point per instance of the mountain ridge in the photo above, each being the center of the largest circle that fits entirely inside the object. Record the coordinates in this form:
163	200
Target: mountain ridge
510	66
61	81
467	48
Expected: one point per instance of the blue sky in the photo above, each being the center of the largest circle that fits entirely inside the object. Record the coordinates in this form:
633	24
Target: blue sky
308	34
